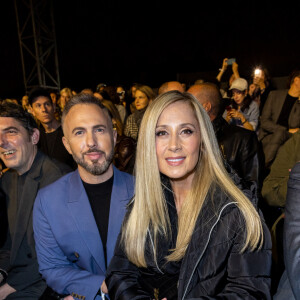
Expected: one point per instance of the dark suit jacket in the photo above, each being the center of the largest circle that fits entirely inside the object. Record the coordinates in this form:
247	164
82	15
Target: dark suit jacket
18	258
271	113
3	219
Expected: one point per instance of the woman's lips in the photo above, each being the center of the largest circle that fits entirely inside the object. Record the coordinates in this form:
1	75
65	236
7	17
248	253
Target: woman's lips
175	161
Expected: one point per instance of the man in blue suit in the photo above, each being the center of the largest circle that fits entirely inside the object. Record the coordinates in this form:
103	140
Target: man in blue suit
77	219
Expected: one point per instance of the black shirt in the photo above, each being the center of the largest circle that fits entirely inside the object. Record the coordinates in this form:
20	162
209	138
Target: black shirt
288	104
51	144
99	196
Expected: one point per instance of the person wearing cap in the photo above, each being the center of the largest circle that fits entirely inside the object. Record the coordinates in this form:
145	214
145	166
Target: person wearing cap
242	111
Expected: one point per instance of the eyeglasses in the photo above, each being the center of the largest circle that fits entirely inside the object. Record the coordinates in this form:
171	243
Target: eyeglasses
121	93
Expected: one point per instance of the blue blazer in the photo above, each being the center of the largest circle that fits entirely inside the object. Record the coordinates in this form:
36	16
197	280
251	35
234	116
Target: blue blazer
68	244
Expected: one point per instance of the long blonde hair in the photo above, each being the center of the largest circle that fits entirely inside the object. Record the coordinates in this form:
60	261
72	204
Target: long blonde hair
149	212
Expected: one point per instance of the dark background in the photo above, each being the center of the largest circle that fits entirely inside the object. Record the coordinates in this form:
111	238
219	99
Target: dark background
156	41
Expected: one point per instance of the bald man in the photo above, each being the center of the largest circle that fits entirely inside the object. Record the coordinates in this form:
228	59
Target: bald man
170	86
239	146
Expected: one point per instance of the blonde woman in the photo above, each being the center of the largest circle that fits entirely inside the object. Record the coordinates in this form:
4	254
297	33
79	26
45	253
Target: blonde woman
190	231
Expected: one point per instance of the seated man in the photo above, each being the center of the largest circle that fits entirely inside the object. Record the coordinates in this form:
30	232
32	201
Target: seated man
50	131
280	118
29	170
76	231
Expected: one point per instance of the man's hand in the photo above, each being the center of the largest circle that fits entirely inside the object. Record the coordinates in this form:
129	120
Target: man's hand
6	290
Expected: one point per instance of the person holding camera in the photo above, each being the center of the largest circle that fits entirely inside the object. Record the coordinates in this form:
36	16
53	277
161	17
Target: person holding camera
235	73
260	87
243	111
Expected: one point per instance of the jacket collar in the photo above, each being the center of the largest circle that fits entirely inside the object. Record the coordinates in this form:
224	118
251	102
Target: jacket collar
80	208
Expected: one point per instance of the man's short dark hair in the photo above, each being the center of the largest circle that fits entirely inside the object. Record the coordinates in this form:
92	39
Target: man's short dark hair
83	98
12	110
38	92
292	76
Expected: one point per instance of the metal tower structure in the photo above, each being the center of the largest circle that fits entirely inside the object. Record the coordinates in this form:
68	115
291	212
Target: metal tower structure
36	31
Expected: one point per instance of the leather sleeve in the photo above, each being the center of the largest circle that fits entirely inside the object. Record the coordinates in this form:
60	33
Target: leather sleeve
122	277
251	159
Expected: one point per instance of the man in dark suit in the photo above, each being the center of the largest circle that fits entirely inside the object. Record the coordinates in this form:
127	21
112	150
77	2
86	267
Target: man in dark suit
280	118
76	231
29	170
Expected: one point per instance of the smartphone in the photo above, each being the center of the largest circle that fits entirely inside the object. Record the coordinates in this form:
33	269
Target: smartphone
230	61
257	72
228	108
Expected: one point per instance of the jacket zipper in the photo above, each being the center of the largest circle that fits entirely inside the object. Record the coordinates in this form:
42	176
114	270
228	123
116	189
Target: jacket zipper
205	247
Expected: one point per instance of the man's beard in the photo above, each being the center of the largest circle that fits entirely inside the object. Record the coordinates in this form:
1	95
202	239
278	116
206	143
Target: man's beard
95	168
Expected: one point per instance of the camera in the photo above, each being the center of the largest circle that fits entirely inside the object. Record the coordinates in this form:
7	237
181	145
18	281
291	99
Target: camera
230	61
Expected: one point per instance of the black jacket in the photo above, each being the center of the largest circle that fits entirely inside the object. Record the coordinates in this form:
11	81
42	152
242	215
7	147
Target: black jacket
241	149
18	256
213	267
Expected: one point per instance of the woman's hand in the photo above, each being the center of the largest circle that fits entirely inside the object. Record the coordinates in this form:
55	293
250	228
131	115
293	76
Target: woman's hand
235	70
104	288
235	114
224	65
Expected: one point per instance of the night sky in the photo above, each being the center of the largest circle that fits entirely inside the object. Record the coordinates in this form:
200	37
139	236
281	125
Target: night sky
153	41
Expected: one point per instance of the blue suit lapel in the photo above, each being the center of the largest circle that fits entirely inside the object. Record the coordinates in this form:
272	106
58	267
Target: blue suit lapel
81	211
119	199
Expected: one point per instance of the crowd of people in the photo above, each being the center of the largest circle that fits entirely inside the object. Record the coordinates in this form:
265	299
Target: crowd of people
171	192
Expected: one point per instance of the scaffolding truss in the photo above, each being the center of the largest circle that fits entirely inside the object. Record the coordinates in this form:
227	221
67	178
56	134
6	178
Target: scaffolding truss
36	32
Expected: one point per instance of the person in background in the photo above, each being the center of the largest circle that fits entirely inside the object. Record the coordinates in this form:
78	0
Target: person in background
260	87
124	152
243	111
280	118
170	86
239	147
51	133
143	97
65	96
235	75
